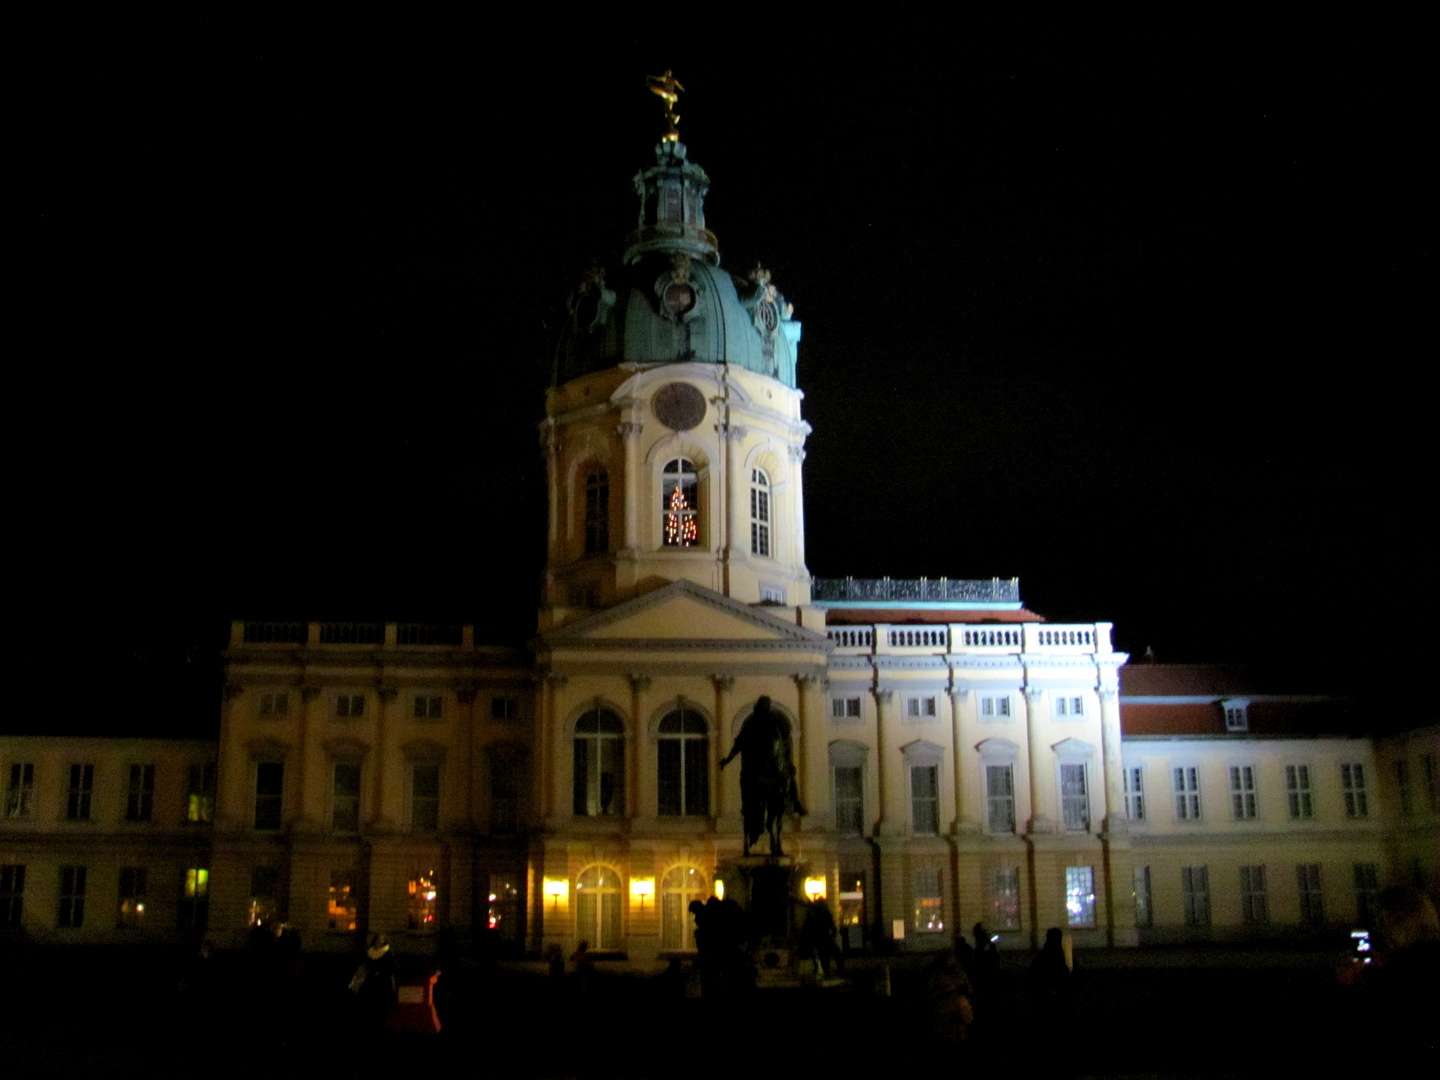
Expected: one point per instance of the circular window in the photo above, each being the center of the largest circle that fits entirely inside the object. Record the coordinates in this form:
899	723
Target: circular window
679	298
679	406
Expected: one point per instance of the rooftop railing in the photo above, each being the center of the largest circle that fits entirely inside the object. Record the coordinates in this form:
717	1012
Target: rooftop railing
918	590
970	638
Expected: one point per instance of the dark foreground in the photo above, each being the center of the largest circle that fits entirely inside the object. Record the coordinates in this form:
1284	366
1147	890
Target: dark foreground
1148	1013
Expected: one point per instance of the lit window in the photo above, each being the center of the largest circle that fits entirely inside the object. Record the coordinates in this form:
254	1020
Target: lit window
264	895
1352	780
599	776
349	706
1080	895
1004	898
79	794
1312	900
684	761
759	512
677	889
504	707
929	907
20	793
1297	791
503	914
423	901
424	797
1072	705
845	708
200	794
1195	888
71	909
597	908
597	512
1000	797
1242	792
132	898
925	799
1254	907
1187	793
1135	793
140	793
345	797
1367	889
195	899
1140	890
343	909
427	707
1075	797
269	794
679	500
274	704
920	708
994	706
12	893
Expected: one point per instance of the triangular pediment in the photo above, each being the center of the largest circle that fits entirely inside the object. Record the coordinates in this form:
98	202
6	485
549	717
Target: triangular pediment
681	612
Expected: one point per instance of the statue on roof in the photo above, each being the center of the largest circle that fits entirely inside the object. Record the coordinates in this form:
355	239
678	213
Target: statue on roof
668	89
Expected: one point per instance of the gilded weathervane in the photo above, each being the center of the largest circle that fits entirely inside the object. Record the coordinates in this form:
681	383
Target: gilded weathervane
668	89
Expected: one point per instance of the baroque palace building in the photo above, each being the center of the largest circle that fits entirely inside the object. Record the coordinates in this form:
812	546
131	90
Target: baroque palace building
961	758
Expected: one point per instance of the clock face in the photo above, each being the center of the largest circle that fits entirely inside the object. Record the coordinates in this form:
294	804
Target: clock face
679	406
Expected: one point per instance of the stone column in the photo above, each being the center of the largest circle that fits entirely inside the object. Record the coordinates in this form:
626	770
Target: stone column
310	762
891	818
546	776
464	767
726	783
387	792
1116	822
1042	818
629	433
641	795
231	805
966	805
797	507
814	752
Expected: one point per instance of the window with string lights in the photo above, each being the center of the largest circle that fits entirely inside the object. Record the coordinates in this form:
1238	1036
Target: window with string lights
679	501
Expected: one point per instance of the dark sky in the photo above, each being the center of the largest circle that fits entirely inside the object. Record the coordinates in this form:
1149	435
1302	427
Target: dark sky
1138	321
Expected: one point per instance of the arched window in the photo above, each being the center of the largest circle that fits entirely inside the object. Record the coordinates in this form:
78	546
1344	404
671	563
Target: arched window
679	502
678	887
684	764
759	512
597	512
597	908
599	764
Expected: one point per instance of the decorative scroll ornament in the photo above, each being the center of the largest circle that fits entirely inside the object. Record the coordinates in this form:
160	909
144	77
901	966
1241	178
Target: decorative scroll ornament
591	302
676	293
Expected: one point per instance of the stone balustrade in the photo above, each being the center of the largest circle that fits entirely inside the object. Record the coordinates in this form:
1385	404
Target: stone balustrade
370	635
950	638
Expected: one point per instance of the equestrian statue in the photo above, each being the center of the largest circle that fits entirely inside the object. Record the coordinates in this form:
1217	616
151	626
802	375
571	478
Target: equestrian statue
767	774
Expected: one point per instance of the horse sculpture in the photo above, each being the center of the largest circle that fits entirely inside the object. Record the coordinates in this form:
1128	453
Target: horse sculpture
767	774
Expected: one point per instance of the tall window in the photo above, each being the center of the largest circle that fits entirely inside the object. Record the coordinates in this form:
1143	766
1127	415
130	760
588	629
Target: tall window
422	901
599	779
1140	890
1242	792
345	797
597	907
1080	895
597	512
343	908
71	910
759	512
195	899
1000	797
1352	779
1187	793
1075	797
679	501
1312	900
925	799
12	893
677	889
1004	898
1195	888
1135	793
20	792
424	797
140	793
1297	791
1254	907
264	895
684	764
269	794
1432	780
505	769
849	799
929	909
200	794
1367	888
132	898
1402	786
78	795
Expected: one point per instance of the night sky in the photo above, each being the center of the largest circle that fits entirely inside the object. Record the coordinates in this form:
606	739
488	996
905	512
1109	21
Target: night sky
1138	322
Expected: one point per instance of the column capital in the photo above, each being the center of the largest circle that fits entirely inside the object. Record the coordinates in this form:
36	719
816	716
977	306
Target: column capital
309	693
797	454
628	429
724	683
1108	694
388	693
233	691
882	696
555	682
734	432
466	695
808	680
639	683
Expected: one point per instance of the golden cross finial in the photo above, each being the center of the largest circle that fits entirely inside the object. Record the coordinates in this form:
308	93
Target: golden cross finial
668	89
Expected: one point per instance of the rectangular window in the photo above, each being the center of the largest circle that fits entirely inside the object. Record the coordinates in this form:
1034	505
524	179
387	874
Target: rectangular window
200	794
845	708
1195	888
1236	718
504	707
12	893
140	793
925	799
849	799
1297	792
1144	913
1432	780
771	594
1135	793
1080	895
345	797
1352	780
425	798
1242	792
1005	898
264	895
1254	907
78	795
1075	797
195	899
1069	705
269	794
274	704
1000	797
423	904
1312	900
597	512
929	903
132	898
1187	793
994	706
920	708
1367	888
343	908
20	792
504	795
72	897
1402	786
349	706
759	513
427	707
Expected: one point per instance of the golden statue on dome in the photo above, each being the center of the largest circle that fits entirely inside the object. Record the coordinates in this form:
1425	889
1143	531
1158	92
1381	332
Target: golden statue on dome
668	89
